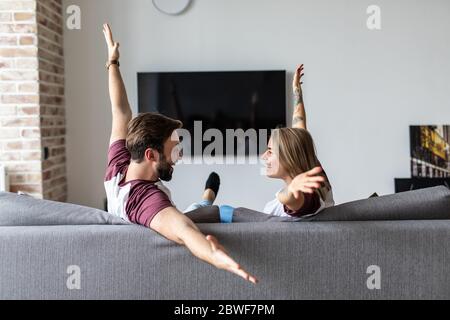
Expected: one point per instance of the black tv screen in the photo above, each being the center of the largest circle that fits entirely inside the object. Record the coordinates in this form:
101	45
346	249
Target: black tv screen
220	100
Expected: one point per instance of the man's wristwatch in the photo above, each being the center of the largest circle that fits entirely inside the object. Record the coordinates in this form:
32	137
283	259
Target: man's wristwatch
109	63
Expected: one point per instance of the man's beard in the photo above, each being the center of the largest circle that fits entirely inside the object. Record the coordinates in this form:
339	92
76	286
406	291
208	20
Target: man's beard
165	170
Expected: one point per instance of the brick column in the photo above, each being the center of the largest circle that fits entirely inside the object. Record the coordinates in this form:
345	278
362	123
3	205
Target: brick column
32	114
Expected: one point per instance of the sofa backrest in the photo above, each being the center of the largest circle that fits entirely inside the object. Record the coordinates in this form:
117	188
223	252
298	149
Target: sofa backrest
23	210
425	204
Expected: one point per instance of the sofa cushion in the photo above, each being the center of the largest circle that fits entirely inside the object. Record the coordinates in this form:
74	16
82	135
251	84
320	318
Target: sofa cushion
242	215
209	214
425	204
23	210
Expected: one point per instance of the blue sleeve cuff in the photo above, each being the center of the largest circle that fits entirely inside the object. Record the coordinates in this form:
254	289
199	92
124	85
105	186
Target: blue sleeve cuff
226	214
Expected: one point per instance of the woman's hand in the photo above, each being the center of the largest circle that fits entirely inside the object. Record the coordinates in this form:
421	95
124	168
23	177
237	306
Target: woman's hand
306	182
113	47
223	261
297	83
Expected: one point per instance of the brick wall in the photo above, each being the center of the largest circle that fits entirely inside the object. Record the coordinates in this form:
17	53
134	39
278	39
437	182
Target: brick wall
32	113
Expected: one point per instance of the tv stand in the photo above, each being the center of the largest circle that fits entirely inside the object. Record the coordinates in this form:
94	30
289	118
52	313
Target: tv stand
408	184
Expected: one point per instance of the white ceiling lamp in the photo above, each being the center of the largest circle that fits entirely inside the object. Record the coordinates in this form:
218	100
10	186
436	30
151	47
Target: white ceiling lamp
171	7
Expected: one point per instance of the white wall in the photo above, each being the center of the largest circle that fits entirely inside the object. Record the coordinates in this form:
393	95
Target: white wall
362	88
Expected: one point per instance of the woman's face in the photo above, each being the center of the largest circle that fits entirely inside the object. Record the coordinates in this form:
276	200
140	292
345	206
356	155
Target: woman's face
273	167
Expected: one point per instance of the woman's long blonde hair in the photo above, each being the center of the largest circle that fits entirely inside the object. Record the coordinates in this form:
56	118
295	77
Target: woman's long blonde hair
297	153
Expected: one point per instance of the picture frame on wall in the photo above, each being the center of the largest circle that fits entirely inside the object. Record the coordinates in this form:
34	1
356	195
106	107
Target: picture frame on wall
430	151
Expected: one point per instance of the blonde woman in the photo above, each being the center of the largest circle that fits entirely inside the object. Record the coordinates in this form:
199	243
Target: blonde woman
291	156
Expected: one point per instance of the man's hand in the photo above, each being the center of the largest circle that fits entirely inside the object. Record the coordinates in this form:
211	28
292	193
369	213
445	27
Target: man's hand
222	260
177	227
113	47
306	182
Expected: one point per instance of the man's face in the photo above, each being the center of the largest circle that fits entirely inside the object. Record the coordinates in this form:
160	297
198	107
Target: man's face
172	154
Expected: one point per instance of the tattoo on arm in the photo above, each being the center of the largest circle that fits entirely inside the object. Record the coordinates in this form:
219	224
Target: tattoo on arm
298	96
298	99
297	119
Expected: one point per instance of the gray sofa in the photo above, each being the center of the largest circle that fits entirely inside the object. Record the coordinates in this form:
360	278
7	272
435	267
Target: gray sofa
44	245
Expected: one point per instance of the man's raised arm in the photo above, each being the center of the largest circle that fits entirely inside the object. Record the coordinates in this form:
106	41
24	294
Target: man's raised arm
121	111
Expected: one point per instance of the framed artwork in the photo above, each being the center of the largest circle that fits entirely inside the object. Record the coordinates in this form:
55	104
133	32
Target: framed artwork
430	151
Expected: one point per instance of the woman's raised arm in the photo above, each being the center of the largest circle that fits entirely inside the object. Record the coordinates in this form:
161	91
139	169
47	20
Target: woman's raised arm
299	115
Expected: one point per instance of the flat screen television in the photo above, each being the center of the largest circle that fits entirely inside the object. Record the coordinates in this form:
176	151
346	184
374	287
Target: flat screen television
220	100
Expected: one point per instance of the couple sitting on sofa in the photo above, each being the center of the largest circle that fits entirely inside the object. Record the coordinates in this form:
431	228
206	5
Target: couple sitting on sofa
143	151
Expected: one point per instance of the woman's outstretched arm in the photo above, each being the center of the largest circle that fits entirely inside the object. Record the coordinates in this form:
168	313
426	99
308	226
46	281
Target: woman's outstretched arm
293	196
299	115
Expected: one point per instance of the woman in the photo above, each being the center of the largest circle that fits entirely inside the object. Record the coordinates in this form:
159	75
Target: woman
291	156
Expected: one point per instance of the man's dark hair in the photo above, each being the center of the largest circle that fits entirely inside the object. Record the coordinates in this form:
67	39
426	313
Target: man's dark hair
149	130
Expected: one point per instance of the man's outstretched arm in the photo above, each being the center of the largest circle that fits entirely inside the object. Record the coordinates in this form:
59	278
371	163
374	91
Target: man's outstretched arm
175	226
121	111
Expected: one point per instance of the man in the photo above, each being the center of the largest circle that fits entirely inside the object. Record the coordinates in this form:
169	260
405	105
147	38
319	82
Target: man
143	152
